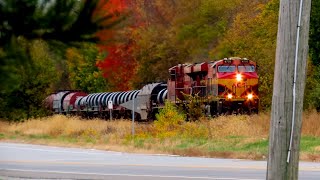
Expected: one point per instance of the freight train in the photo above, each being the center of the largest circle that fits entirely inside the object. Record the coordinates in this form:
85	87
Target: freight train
229	85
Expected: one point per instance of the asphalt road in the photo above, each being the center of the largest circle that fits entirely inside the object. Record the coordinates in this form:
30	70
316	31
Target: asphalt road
24	161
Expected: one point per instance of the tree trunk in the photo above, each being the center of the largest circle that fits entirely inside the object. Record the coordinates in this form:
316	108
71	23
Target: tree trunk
282	99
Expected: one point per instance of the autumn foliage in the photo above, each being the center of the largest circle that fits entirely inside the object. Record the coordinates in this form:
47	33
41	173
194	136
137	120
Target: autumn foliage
119	45
118	67
165	33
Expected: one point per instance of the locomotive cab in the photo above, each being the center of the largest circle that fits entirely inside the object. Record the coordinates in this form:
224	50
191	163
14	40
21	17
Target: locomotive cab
234	86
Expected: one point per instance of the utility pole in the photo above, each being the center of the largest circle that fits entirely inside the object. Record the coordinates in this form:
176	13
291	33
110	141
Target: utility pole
288	89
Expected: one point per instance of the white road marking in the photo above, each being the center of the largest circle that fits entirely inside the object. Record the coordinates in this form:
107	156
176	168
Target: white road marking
27	146
60	151
88	163
128	175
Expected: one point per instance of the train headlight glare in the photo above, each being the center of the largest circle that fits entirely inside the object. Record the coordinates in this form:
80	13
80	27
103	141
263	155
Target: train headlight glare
229	96
238	77
250	96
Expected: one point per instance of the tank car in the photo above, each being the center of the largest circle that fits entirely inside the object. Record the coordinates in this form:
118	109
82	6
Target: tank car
144	102
63	101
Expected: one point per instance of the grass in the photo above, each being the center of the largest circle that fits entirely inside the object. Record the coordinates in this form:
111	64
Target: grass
39	136
225	137
310	144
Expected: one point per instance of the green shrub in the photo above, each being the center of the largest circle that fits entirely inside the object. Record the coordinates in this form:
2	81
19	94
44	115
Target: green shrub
193	106
169	120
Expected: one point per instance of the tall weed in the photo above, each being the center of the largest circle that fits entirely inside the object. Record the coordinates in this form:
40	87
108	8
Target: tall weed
169	121
311	123
59	125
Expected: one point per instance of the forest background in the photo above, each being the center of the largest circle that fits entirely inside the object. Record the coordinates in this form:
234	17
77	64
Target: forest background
117	45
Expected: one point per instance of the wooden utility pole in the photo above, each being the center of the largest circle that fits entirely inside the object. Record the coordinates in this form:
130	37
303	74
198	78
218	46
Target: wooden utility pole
288	89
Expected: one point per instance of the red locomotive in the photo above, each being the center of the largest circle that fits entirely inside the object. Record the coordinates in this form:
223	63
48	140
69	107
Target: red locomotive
229	85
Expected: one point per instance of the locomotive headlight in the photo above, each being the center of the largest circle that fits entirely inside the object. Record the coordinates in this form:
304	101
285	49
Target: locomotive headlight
250	96
239	77
229	96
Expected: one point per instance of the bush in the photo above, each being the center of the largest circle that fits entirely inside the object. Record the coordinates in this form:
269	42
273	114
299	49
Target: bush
194	106
169	120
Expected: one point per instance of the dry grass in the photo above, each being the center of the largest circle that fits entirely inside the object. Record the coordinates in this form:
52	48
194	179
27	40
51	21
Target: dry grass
3	126
311	124
234	132
257	125
251	126
222	126
59	125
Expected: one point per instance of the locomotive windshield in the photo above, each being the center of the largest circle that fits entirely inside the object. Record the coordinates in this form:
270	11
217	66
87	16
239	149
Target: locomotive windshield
230	68
249	68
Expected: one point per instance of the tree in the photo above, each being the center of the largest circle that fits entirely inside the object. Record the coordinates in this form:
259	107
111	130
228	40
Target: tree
253	35
312	93
53	21
315	33
173	32
118	66
59	24
65	21
84	73
33	80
